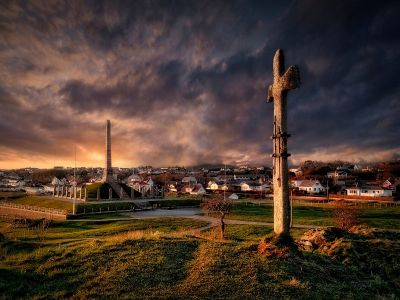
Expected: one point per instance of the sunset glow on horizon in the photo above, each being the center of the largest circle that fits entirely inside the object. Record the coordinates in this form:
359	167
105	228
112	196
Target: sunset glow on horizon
185	83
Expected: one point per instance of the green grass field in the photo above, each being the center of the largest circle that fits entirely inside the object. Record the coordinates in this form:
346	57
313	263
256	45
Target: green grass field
171	259
159	258
385	217
11	195
48	201
44	201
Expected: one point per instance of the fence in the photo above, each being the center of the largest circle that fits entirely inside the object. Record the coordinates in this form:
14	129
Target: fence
361	204
329	202
33	212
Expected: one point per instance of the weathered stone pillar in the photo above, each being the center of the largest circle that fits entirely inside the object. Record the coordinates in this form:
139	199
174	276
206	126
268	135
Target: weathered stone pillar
132	193
98	193
109	193
107	173
85	194
121	192
277	92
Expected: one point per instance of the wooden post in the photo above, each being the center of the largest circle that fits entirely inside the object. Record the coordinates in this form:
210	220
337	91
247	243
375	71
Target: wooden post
98	193
109	193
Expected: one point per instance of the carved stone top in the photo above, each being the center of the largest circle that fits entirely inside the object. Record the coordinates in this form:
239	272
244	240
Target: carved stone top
283	81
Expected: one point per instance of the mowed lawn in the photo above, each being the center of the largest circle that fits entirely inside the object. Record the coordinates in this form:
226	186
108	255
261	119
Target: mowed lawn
67	205
44	201
171	259
318	215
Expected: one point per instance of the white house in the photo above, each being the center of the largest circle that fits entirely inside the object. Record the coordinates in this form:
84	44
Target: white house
187	189
244	186
133	178
34	190
48	188
337	174
198	190
391	183
311	186
234	197
370	191
189	180
296	183
223	187
242	177
261	187
142	186
172	187
212	185
57	181
296	171
16	183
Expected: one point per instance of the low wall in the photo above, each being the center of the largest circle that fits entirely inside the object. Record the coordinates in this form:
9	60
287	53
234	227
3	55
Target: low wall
31	212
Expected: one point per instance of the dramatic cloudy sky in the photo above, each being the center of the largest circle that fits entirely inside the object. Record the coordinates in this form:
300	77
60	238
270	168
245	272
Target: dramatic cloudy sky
184	82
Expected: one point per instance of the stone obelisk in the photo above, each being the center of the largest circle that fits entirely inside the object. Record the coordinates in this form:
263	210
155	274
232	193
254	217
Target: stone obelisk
277	93
107	173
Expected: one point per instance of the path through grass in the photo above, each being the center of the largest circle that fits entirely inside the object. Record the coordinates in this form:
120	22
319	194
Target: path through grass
116	260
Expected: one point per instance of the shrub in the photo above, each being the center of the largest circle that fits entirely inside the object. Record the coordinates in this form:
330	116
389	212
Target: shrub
345	215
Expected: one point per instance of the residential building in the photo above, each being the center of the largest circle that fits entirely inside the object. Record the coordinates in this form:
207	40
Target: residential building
311	186
212	185
189	180
233	197
369	191
198	190
245	187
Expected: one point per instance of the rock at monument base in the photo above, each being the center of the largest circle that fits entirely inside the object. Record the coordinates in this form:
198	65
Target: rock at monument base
315	238
281	246
361	229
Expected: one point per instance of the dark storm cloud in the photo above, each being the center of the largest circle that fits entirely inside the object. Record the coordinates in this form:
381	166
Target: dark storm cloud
186	80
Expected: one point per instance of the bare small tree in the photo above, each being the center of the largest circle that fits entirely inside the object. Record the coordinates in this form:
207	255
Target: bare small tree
41	229
220	205
345	215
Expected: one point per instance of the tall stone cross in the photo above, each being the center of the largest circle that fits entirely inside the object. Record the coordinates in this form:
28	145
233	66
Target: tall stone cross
277	92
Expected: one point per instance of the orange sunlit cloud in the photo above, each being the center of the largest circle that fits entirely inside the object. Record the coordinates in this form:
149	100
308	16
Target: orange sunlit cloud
187	85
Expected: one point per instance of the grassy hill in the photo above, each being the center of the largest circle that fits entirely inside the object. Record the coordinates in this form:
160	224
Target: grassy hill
104	190
127	190
172	259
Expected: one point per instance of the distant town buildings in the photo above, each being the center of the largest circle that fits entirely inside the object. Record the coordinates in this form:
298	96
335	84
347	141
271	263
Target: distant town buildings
310	178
